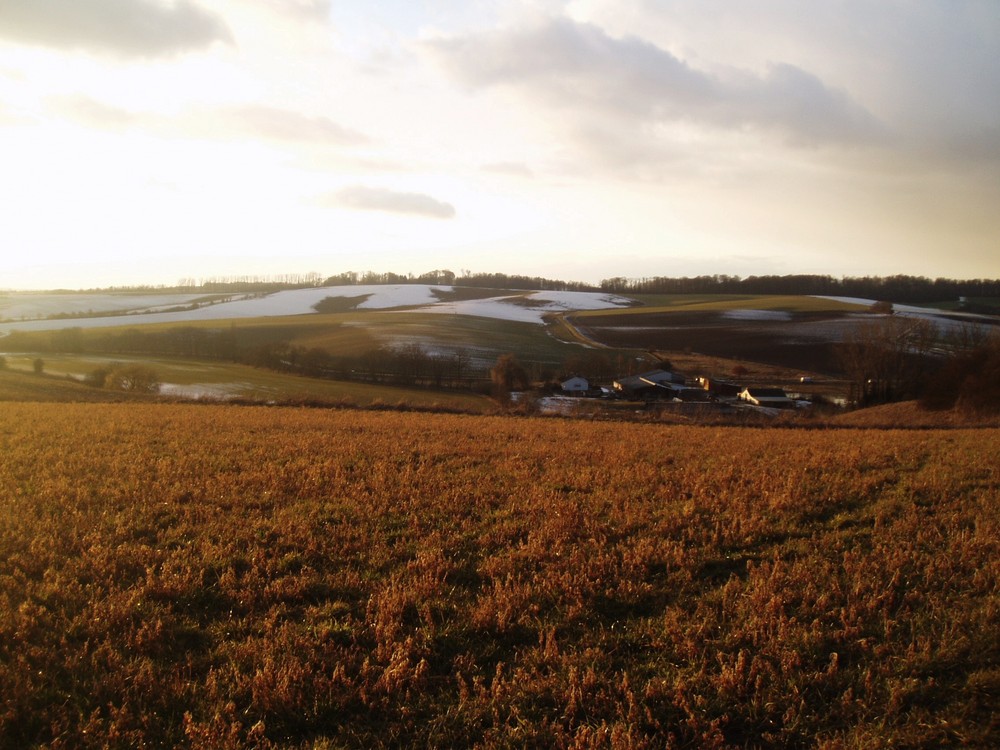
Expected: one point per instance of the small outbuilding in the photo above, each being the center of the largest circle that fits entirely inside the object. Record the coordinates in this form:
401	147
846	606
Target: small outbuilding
575	385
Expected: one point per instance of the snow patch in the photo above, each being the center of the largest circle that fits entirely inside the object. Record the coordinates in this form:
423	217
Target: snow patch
529	308
212	391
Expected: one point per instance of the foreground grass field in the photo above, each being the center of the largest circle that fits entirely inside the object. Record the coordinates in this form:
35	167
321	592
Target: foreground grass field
217	576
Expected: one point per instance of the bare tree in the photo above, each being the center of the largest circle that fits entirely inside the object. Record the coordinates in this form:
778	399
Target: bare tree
881	358
508	375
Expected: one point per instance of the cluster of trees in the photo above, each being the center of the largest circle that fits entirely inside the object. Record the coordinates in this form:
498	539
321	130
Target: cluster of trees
901	288
884	358
465	278
896	358
409	364
251	283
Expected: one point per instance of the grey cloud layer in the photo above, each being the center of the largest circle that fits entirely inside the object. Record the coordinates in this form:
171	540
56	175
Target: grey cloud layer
380	199
126	28
580	68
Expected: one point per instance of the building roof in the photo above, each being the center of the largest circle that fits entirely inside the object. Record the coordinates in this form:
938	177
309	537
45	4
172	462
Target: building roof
653	378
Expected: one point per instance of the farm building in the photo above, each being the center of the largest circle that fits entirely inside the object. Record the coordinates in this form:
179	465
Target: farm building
647	383
774	398
576	385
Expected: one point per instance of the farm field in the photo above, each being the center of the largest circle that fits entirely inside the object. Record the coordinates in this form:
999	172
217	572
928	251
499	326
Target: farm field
796	333
206	576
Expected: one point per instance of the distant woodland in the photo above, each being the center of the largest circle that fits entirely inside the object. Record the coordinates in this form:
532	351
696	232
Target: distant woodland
899	289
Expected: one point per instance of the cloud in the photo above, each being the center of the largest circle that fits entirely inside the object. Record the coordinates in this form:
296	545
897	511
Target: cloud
125	28
287	125
92	113
592	79
380	199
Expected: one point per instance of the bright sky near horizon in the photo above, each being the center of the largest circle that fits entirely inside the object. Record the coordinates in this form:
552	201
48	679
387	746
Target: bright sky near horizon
146	141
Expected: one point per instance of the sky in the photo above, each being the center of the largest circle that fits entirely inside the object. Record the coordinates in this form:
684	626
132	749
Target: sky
143	142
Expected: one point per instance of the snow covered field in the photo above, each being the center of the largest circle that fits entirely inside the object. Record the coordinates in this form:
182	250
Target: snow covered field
21	306
529	308
947	321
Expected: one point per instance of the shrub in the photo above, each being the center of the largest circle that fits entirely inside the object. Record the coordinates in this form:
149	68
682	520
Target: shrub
97	377
133	378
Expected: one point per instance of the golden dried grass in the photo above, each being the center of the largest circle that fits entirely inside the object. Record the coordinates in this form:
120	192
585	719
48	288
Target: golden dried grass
212	576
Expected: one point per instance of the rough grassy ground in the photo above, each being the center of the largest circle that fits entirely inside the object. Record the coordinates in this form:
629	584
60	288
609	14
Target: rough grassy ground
21	386
228	577
911	414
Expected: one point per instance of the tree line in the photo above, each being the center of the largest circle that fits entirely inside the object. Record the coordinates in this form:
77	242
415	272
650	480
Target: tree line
445	277
899	288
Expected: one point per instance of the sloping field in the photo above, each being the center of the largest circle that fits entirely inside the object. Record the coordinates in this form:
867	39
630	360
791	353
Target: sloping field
910	414
219	381
527	306
212	576
21	386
